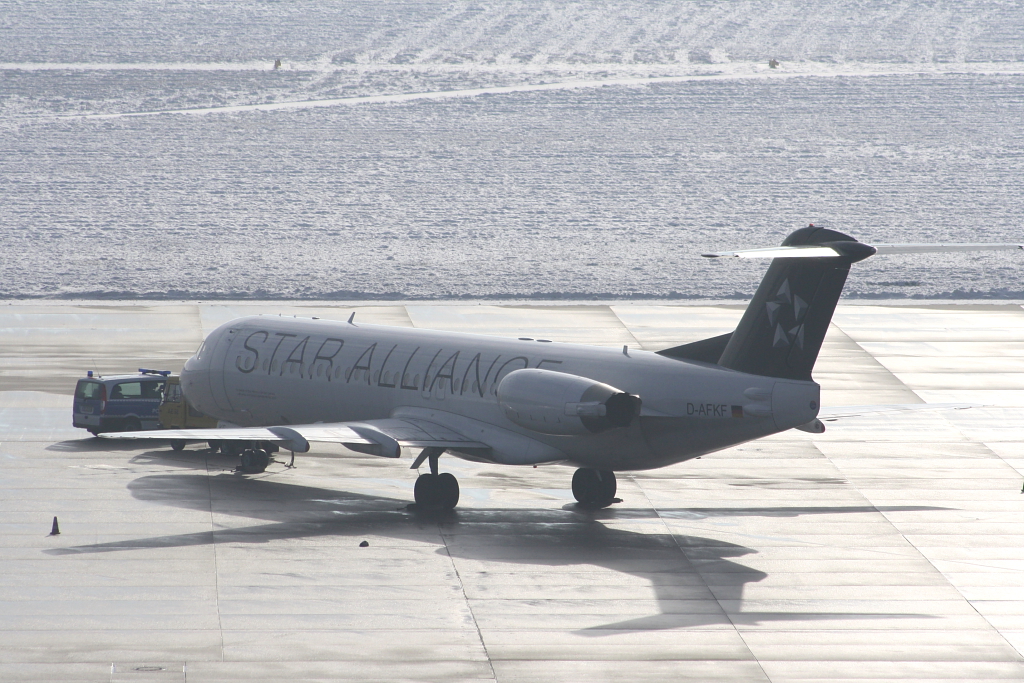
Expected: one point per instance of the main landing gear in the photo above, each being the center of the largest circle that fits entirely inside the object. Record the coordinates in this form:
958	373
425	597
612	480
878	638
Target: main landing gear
254	455
594	488
254	461
435	491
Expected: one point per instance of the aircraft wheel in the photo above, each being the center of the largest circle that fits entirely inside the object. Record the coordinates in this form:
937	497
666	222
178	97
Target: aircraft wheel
594	488
438	491
177	444
426	489
264	459
254	461
447	490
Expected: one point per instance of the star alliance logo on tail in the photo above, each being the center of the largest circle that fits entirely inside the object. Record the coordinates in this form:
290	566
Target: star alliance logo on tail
786	302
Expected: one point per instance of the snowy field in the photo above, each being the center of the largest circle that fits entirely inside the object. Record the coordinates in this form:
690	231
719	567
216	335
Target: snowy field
370	165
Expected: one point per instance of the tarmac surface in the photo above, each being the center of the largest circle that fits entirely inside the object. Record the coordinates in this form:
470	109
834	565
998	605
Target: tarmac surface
888	548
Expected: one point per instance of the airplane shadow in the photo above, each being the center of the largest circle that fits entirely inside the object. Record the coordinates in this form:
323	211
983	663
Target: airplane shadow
92	444
191	458
680	568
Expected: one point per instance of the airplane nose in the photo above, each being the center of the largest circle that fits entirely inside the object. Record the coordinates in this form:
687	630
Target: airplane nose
189	381
195	379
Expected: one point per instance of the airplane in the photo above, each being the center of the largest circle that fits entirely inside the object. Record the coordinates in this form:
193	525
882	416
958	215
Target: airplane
280	383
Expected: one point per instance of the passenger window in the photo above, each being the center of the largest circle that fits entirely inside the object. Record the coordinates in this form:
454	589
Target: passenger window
127	390
152	389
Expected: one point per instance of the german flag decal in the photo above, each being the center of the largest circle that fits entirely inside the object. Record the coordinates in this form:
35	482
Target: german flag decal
737	411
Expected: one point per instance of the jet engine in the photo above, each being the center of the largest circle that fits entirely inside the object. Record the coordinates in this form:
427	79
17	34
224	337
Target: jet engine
558	403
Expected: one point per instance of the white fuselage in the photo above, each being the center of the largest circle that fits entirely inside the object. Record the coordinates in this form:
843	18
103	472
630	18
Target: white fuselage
271	370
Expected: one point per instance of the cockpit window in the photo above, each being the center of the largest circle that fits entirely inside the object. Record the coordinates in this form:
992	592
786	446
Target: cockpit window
199	353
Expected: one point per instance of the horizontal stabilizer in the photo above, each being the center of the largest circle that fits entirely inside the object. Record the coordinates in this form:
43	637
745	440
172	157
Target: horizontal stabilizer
821	251
883	249
777	252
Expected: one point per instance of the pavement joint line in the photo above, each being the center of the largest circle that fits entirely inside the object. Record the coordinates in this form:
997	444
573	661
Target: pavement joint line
836	326
469	606
216	561
986	566
703	580
611	309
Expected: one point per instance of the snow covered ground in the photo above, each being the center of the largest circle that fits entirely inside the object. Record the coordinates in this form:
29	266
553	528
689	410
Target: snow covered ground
438	150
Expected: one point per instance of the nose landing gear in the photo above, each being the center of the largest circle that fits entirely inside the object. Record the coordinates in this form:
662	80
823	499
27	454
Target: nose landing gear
594	488
439	491
435	491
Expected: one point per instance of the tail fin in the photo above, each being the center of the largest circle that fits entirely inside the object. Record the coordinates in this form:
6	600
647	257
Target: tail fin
782	329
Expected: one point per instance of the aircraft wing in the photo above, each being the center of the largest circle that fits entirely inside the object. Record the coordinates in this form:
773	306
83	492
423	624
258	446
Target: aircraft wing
377	437
838	412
